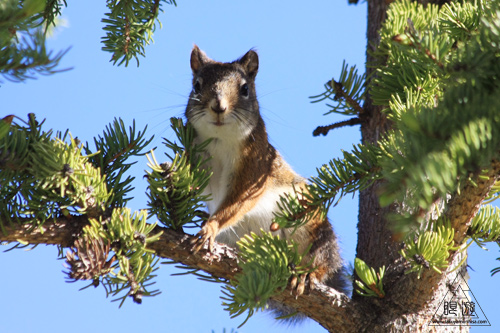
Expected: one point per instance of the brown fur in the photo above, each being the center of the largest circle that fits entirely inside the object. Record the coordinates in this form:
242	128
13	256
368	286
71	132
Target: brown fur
250	185
247	169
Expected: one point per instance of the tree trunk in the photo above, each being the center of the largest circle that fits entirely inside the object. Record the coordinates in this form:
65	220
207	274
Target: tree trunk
410	303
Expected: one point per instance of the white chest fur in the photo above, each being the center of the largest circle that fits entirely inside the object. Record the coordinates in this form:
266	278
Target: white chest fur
225	156
225	152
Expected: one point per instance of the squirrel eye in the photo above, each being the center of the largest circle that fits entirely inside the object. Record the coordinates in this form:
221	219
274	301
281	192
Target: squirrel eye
197	87
244	90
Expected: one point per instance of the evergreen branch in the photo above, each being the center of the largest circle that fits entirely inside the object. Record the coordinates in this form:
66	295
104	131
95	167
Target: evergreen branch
267	263
175	193
407	48
461	19
155	10
44	177
296	210
129	236
348	92
412	81
340	92
430	249
175	188
51	12
485	226
23	52
129	27
461	138
323	130
412	293
27	58
113	149
413	39
465	204
371	282
356	171
333	310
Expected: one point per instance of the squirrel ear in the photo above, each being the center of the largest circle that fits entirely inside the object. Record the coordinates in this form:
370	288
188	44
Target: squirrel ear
250	61
198	59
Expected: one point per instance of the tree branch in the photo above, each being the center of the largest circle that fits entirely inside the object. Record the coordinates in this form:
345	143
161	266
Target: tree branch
407	292
63	231
464	206
338	88
323	130
331	309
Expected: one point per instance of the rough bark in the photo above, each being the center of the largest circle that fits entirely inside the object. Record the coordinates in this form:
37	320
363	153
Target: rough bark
410	302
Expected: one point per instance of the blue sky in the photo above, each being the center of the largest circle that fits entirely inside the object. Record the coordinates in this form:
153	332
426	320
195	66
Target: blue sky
301	46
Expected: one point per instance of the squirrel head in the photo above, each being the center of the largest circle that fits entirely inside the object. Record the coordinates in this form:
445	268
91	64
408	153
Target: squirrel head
223	101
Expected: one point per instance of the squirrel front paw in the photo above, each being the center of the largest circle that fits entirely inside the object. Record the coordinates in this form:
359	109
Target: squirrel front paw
298	284
208	231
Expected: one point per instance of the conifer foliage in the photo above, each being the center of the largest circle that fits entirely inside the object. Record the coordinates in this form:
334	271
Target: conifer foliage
436	78
24	25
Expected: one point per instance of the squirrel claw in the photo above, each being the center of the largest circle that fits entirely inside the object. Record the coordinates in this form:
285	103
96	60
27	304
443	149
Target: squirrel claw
207	233
301	286
293	283
298	284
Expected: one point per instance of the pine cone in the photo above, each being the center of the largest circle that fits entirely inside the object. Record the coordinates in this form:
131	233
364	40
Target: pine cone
88	259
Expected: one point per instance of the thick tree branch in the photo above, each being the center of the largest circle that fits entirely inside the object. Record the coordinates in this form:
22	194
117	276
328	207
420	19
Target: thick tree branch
407	293
464	206
333	310
63	231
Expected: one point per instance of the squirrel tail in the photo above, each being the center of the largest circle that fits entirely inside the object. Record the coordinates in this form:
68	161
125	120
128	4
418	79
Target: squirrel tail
342	280
285	314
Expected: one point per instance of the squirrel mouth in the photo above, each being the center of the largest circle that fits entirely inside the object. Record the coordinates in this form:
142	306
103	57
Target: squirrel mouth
219	121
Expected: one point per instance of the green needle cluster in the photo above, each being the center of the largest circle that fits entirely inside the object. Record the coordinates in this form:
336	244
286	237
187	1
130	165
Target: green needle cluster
267	263
134	264
430	248
371	281
175	188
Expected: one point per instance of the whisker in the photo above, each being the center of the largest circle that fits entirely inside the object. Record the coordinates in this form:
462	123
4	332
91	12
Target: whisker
170	91
163	108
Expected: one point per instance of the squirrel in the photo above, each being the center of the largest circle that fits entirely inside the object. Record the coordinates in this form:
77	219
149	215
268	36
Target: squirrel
249	174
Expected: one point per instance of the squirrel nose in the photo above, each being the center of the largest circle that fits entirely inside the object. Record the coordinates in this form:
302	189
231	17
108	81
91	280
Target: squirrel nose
218	106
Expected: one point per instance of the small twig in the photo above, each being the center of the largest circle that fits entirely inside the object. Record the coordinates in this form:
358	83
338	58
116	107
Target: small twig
323	130
154	10
340	93
118	155
418	45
